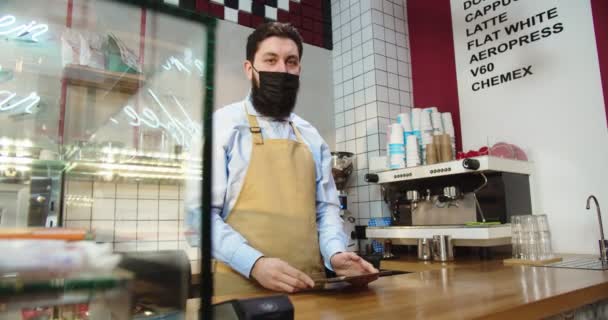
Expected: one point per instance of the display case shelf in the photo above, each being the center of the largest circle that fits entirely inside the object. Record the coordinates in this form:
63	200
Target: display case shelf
84	76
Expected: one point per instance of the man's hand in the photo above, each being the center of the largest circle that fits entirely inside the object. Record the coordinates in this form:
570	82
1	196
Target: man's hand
350	264
276	274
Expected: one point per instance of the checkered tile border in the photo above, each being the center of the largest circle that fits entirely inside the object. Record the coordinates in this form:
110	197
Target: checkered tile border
311	17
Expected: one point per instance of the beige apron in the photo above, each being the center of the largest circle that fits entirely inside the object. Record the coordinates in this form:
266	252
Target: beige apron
275	210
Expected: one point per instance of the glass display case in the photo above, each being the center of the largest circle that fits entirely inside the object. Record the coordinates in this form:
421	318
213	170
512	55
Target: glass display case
95	91
102	106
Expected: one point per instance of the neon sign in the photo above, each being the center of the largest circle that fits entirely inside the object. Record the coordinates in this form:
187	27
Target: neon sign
181	131
8	27
181	66
10	101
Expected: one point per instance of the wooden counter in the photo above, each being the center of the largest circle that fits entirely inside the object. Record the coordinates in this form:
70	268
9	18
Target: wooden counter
464	289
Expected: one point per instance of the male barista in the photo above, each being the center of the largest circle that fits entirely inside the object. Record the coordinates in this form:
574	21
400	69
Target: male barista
275	217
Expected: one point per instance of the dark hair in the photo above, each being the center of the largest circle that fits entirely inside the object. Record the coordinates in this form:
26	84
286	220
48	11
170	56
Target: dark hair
272	29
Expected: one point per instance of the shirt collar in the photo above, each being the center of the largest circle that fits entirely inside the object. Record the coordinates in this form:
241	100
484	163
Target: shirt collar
252	111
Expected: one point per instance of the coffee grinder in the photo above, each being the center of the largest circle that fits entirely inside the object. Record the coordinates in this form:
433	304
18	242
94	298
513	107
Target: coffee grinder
342	167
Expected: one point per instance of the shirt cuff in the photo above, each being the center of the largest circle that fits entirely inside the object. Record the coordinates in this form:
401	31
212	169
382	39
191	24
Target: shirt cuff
244	258
331	249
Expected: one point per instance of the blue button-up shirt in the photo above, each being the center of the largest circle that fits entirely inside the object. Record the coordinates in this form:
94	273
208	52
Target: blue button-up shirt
231	154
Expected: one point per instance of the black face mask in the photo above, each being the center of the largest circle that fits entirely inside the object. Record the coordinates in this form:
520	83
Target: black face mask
276	94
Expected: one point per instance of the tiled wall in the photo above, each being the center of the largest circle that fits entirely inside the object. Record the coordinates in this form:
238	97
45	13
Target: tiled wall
372	85
311	17
131	216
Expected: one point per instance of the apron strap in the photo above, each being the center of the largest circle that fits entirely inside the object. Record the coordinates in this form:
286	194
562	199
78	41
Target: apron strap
256	131
297	132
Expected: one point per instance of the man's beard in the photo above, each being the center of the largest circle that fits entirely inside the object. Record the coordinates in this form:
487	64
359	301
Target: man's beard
278	97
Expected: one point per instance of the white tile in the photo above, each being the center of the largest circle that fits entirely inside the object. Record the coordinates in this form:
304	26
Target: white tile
361	129
338	90
126	190
168	209
104	190
345	30
381	78
271	12
399	11
364	209
103	209
345	15
80	188
371	126
362	160
231	14
337	51
361	177
169	191
355	24
144	246
367	33
361	145
182	210
382	93
351	146
350	132
380	62
182	191
355	9
339	120
377	17
357	38
218	1
78	224
373	142
393	80
365	6
405	97
348	86
391	64
366	18
126	209
346	44
400	25
379	47
78	212
383	123
360	114
359	98
393	96
352	194
391	51
370	78
347	74
395	109
386	210
389	22
370	94
371	110
340	146
402	54
284	5
147	210
401	40
347	58
375	209
168	230
403	69
147	230
388	7
358	68
357	54
382	141
390	36
383	110
340	134
368	48
377	5
125	246
359	83
169	245
363	192
126	230
349	117
349	102
368	63
337	63
339	105
378	31
104	231
404	84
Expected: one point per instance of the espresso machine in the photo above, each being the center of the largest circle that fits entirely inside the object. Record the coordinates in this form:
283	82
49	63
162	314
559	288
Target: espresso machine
480	191
342	168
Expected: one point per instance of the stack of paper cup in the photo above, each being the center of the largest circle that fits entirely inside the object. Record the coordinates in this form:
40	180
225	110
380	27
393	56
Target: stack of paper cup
416	116
425	122
431	110
406	122
396	149
437	123
427	139
448	128
412	151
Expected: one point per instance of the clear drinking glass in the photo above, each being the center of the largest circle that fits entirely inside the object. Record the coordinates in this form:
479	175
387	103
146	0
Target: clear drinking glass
516	239
546	252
